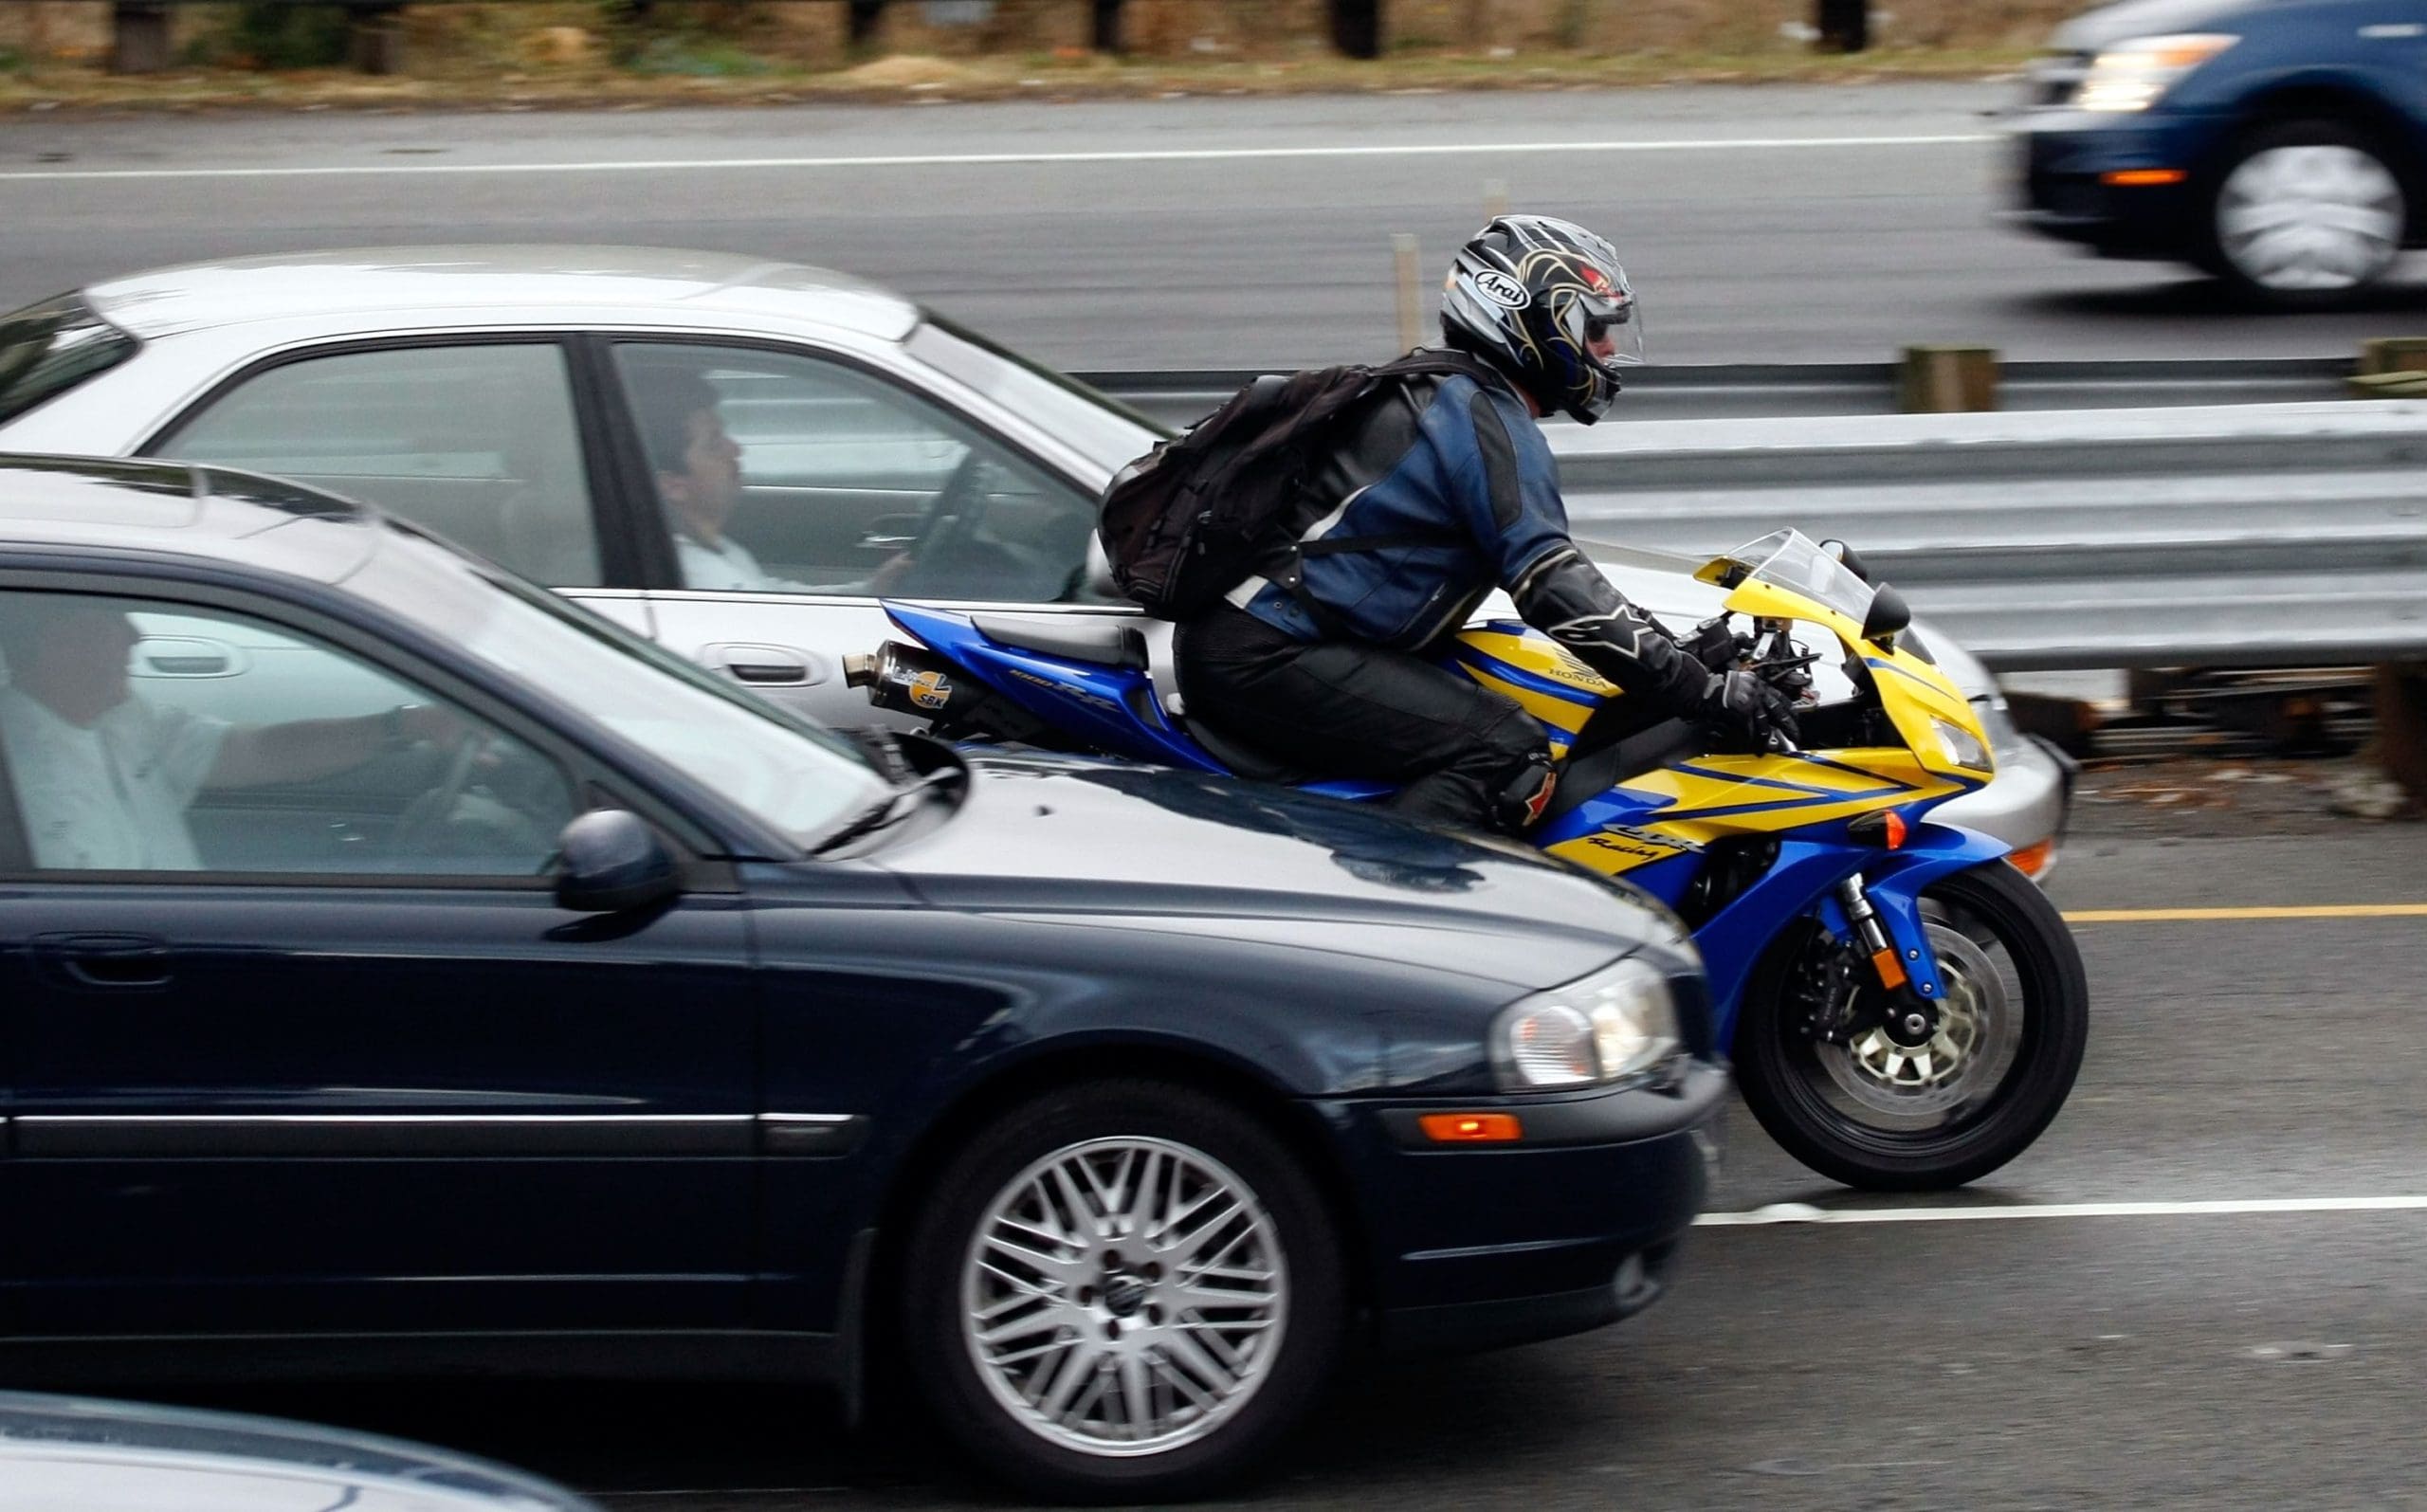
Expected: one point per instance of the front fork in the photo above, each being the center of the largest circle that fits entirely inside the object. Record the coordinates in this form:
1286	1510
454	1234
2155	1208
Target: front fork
1889	931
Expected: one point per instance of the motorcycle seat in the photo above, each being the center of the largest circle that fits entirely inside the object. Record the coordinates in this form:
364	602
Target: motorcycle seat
1071	638
1242	759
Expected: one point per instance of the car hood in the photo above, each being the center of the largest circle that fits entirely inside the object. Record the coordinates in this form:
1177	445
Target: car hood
2110	25
1186	853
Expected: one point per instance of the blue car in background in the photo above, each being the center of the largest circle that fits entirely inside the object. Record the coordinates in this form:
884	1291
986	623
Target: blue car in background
2280	145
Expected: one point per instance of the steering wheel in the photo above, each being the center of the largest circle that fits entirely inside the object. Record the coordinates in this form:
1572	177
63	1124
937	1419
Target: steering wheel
424	820
951	517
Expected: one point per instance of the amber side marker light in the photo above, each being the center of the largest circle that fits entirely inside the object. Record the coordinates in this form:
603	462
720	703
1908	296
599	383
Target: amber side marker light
2142	177
2033	859
1470	1128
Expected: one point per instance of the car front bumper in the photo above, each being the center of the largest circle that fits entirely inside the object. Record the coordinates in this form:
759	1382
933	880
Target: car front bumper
1476	1247
2026	804
2062	164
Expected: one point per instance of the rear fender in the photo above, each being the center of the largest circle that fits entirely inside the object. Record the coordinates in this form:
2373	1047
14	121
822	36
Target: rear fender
1111	710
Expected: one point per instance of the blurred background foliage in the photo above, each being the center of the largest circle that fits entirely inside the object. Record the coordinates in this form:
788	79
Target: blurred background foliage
737	37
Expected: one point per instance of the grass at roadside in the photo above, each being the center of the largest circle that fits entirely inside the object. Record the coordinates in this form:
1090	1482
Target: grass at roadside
920	80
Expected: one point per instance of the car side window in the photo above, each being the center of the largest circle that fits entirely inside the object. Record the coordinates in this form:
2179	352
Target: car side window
476	443
786	473
147	737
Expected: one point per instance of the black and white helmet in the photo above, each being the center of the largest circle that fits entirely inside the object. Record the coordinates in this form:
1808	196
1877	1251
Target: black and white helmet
1533	297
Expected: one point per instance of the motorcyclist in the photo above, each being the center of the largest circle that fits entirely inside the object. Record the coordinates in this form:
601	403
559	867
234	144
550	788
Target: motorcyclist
1449	490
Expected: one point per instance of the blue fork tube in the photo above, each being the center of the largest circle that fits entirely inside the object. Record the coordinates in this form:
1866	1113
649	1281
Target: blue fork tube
1803	881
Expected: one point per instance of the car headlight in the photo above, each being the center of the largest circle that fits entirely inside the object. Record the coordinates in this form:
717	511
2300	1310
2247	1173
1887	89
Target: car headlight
1961	746
1603	1028
2135	75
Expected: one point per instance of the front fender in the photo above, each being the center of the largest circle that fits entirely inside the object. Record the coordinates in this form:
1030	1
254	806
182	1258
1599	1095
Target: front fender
1801	882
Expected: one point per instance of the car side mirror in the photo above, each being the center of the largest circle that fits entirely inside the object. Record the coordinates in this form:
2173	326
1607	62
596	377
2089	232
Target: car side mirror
1889	615
609	861
1096	578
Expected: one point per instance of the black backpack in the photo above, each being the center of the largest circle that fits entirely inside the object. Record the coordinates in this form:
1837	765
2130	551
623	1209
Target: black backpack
1204	511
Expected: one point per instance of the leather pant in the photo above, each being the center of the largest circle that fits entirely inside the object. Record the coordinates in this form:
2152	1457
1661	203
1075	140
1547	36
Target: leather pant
1349	709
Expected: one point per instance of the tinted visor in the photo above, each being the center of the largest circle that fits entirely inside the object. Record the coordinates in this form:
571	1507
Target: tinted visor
1595	320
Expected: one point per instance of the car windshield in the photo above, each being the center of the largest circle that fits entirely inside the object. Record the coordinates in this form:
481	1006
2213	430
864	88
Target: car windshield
798	776
1090	421
48	349
1794	561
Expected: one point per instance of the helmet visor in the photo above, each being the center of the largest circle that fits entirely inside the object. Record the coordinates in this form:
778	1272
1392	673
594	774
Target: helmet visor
1607	323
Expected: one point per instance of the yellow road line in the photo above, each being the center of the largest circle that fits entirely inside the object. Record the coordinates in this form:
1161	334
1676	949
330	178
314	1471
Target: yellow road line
2175	916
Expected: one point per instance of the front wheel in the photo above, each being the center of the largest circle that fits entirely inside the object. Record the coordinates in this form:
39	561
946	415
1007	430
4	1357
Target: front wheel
1123	1290
2304	215
1862	1108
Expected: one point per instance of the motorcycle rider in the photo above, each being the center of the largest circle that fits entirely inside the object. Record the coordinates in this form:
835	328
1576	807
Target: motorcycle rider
1449	490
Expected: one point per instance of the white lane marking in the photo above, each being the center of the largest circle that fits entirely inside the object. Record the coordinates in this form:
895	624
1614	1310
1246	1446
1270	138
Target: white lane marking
1177	154
1785	1212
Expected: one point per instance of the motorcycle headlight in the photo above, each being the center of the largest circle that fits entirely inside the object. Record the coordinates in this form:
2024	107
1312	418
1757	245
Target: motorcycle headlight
1961	746
1604	1028
2135	75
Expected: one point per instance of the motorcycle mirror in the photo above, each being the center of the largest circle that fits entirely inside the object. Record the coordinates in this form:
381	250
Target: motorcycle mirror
1846	558
1889	615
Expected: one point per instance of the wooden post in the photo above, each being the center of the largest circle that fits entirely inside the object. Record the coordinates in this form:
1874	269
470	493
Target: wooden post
1946	380
1844	25
1356	27
378	40
866	15
1410	297
2391	367
2401	700
139	37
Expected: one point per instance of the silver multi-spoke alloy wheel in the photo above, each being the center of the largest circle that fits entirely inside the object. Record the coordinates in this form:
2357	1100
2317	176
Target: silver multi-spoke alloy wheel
1978	1029
1123	1296
2309	218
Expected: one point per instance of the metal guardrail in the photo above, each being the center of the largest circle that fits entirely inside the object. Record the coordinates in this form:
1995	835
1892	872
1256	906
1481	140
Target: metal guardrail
1720	391
2244	535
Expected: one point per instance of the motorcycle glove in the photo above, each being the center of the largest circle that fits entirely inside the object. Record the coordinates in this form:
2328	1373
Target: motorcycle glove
1750	708
1713	645
1566	597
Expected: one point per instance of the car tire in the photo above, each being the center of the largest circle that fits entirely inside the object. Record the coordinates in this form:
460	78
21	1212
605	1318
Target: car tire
1061	1307
2303	216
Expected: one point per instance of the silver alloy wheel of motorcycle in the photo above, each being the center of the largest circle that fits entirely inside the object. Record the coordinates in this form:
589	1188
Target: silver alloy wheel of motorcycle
2314	218
1978	1032
1123	1296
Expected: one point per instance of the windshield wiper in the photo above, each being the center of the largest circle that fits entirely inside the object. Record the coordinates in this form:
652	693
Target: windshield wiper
896	805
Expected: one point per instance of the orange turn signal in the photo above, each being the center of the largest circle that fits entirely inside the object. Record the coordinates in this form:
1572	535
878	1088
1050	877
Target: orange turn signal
1891	971
2033	859
2142	177
1895	831
1470	1128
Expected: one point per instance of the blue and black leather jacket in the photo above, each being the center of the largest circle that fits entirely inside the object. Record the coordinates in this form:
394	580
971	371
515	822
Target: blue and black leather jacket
1440	489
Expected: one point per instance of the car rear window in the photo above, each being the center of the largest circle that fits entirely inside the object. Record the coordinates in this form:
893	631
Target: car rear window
48	349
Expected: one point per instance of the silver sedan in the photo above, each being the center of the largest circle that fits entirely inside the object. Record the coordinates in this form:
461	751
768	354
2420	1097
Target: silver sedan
516	400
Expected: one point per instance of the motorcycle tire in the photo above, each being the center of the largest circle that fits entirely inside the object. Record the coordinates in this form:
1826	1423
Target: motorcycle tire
1876	1116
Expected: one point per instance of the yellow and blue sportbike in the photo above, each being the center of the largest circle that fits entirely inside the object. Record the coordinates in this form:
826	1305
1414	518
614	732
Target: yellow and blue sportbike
1905	1010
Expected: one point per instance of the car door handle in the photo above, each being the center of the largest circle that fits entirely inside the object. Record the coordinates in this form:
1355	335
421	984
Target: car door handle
764	666
772	672
108	961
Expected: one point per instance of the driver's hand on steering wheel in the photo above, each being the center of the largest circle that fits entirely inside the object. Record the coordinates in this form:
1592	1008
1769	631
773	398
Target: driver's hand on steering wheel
431	723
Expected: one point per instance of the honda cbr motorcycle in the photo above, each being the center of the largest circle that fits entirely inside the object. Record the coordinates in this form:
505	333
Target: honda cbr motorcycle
1905	1009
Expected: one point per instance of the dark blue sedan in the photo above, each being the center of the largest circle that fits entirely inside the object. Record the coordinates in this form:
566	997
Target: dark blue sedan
2280	145
402	968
